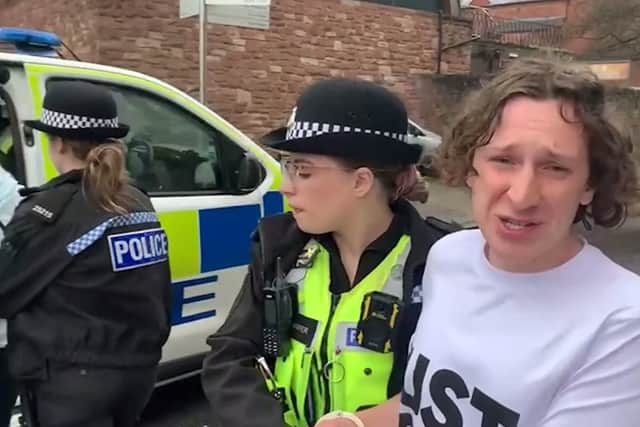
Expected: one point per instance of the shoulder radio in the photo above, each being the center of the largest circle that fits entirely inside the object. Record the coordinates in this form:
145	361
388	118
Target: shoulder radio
280	306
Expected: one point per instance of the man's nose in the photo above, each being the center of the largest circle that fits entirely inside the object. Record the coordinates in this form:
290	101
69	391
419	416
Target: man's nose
525	189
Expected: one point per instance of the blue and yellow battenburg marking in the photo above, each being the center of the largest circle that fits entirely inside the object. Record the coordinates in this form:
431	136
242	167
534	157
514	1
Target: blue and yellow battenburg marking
179	300
203	242
138	249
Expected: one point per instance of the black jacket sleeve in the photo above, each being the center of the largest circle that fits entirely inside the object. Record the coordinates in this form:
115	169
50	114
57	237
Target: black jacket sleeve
32	255
236	391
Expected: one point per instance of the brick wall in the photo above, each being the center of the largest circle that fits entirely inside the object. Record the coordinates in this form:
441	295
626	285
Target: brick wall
254	76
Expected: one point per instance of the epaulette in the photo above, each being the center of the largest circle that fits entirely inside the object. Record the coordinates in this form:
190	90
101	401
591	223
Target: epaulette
29	191
49	204
308	255
443	226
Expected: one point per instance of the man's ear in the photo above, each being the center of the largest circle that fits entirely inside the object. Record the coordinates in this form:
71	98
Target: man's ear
587	196
363	181
470	179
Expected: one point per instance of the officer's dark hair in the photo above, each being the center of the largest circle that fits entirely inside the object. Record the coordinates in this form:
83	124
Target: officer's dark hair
397	180
105	175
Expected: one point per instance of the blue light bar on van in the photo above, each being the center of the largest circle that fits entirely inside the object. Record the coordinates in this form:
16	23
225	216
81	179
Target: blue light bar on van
32	37
31	42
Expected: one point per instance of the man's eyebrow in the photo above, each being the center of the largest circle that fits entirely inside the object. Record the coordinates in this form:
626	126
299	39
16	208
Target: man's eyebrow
510	148
561	157
497	150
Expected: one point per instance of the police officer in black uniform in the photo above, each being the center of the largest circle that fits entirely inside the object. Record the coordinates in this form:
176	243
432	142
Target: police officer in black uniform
85	276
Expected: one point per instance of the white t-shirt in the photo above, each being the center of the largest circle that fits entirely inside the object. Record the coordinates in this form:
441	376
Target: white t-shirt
554	349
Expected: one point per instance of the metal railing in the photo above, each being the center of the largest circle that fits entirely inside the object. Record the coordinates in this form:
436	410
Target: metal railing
523	32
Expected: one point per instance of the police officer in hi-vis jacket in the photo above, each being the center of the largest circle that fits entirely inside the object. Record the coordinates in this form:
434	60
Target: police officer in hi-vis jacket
320	330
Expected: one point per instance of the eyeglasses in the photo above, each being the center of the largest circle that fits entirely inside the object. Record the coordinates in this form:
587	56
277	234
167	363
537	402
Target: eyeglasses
295	170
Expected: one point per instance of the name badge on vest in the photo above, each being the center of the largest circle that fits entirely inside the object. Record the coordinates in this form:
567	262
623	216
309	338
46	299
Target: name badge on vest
304	329
138	249
347	337
351	340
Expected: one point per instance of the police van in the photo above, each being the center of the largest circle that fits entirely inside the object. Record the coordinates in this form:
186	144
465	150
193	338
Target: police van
208	181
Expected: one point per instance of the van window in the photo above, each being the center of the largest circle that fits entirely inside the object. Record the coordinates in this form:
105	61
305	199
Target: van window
10	155
7	160
171	151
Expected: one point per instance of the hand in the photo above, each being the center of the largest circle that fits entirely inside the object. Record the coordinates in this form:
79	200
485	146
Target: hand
336	422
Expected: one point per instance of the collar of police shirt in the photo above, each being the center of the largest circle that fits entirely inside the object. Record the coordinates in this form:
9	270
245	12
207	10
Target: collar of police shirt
373	255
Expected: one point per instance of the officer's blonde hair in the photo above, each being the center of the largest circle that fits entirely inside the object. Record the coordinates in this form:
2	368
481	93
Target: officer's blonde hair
105	174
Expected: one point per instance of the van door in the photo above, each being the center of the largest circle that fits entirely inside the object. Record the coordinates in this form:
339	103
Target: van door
210	185
13	106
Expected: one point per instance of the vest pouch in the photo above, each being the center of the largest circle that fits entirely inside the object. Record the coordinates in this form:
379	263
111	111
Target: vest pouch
364	374
293	374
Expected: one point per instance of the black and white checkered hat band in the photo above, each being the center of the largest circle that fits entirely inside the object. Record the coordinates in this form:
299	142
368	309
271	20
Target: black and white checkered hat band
71	121
299	130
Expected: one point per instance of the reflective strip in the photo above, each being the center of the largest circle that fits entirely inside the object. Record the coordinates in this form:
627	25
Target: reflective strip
60	120
93	235
298	130
393	285
416	294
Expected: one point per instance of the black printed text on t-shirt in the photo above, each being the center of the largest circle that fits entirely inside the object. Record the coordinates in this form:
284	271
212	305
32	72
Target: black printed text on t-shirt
494	414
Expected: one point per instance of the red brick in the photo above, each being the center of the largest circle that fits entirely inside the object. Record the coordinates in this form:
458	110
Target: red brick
267	68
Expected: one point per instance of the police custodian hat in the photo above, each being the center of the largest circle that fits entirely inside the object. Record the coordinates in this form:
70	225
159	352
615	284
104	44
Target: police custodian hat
353	119
80	110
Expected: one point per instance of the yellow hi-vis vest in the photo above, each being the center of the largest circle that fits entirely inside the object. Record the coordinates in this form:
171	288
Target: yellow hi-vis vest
330	371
